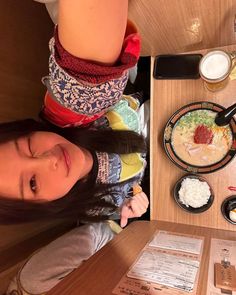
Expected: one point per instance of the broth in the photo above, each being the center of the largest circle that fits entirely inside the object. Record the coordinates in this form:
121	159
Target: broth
197	140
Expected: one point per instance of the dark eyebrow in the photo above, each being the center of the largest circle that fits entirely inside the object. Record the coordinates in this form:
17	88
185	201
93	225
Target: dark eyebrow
21	186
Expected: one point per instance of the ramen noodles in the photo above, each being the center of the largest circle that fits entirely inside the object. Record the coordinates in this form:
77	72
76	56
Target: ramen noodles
198	141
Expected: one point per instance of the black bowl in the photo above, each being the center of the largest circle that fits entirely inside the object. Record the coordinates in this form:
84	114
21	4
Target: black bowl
191	209
202	105
227	205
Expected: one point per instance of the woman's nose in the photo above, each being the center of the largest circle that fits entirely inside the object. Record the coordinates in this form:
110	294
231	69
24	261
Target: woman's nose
49	159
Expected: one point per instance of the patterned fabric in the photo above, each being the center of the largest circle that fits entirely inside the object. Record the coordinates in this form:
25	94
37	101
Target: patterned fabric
80	91
109	168
114	168
62	117
122	116
80	96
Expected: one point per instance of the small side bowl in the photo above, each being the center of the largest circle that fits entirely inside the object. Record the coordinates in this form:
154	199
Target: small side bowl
191	209
227	205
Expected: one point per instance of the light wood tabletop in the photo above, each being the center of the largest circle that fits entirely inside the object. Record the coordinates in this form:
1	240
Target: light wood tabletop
168	26
167	96
100	274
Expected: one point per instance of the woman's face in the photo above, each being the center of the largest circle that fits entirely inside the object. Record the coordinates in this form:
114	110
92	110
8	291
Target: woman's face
41	166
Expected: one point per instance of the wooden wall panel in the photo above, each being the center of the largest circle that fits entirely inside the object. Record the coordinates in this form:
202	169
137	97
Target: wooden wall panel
25	32
170	26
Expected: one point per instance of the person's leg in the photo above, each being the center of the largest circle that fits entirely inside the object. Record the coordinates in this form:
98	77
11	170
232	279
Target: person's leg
93	29
50	264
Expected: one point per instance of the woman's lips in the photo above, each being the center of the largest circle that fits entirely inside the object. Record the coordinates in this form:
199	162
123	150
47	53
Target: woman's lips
66	159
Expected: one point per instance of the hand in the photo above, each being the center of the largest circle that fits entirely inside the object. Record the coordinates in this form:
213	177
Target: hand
134	207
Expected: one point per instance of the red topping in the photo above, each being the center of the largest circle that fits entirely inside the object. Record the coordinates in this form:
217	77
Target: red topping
203	135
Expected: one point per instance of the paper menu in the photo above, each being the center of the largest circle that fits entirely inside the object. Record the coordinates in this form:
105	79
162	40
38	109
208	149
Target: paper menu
175	242
165	269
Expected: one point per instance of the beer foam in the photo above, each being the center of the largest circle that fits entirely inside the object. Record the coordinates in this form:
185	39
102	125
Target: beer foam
215	65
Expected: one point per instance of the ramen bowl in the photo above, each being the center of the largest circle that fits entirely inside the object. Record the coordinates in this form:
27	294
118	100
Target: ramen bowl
199	180
194	142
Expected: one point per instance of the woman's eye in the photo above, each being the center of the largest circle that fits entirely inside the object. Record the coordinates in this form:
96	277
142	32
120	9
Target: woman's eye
33	184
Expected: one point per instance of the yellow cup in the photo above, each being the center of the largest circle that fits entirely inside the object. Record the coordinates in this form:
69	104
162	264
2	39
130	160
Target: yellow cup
215	68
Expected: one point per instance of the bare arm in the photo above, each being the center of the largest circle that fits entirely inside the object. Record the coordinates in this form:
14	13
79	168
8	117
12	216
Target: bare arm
93	29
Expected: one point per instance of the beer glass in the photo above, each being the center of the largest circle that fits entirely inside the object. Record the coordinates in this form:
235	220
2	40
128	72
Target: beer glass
215	68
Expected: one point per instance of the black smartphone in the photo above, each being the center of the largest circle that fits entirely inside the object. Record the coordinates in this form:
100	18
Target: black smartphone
179	66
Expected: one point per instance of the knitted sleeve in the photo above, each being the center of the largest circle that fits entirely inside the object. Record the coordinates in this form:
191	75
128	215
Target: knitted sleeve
80	91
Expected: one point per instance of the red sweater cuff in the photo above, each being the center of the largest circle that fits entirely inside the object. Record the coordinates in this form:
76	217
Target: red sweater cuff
92	72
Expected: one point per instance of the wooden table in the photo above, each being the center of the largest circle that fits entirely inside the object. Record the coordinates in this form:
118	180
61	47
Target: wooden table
168	26
102	272
167	96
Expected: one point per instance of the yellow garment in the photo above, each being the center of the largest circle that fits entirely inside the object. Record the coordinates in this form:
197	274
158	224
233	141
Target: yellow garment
124	117
131	165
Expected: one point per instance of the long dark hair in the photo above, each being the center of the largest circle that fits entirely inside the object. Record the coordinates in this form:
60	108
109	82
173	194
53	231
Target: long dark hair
85	195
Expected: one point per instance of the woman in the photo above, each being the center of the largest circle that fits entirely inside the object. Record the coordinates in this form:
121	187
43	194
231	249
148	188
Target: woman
80	173
87	172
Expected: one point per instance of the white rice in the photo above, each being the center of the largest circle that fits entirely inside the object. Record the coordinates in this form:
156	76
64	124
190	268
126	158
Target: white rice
194	193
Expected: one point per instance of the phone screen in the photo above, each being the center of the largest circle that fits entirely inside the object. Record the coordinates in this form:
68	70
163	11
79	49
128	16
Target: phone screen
182	66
